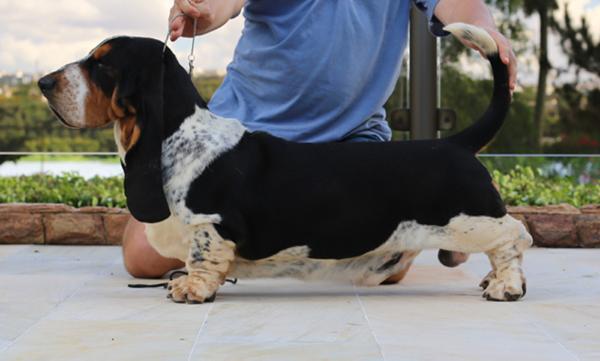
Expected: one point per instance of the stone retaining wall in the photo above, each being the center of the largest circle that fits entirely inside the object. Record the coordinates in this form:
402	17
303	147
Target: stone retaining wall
58	224
552	226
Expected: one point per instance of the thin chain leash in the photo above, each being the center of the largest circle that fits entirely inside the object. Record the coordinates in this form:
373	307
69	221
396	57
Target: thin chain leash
191	59
192	56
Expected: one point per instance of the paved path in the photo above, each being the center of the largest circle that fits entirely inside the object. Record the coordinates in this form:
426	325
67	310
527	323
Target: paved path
71	303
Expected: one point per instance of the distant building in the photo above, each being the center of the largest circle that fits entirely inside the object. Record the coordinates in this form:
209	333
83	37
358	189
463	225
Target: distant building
16	79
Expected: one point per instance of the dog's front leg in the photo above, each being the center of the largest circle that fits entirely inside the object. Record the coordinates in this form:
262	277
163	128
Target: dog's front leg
208	261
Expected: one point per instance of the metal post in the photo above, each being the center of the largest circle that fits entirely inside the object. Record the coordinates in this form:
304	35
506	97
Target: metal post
423	78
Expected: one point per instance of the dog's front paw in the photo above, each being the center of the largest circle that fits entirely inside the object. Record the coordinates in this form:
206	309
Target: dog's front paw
191	290
508	289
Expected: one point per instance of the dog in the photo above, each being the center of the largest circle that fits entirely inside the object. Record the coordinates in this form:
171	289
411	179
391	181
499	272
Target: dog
235	203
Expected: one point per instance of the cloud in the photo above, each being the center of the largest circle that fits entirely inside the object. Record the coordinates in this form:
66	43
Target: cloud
582	8
44	35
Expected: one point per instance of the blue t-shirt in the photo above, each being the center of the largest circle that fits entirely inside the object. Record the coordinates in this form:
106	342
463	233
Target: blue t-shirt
317	70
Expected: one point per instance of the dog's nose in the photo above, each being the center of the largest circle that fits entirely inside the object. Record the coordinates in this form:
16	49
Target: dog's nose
47	83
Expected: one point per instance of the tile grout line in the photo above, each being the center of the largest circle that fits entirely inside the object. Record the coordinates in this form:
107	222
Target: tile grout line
545	332
202	326
550	336
366	317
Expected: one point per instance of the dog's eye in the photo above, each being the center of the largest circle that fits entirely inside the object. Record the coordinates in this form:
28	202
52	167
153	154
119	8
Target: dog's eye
104	68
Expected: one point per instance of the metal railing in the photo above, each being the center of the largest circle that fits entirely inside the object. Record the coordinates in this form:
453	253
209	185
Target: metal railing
86	154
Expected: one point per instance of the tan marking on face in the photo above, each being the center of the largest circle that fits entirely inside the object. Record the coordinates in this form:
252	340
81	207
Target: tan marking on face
130	132
101	51
97	105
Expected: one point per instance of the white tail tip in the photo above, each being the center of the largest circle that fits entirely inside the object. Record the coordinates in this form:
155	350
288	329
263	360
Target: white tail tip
474	35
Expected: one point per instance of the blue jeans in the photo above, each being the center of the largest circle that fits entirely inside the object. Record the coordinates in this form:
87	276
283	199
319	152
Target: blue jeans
362	138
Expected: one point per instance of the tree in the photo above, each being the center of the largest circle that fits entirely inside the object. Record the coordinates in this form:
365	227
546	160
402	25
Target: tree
544	9
579	45
578	125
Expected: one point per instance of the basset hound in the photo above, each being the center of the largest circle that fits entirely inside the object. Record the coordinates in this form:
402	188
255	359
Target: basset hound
235	203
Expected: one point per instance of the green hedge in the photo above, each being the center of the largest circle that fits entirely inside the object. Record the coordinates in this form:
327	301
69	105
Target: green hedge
70	189
520	186
527	186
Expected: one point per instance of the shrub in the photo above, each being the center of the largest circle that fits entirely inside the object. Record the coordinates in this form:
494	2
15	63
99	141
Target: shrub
527	186
519	186
70	189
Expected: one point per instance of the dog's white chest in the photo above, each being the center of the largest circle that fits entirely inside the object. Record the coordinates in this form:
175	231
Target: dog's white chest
200	139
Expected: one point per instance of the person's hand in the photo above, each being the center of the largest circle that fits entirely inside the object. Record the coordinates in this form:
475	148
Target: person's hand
182	15
507	55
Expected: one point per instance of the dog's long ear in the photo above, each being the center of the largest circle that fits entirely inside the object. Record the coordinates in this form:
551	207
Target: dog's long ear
143	90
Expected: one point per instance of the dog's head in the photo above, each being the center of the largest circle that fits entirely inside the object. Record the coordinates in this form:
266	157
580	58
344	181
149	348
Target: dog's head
133	82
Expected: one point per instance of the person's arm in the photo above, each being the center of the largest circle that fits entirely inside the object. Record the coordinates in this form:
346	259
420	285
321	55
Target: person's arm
475	12
211	15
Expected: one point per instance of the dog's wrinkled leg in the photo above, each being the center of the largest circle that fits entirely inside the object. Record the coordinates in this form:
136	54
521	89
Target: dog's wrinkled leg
502	239
208	262
407	260
506	281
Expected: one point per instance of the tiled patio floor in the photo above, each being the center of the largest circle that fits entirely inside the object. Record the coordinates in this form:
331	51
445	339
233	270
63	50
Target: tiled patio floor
71	303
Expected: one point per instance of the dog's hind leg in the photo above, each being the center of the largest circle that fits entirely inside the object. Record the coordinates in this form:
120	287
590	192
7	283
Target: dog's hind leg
502	239
407	259
506	281
209	260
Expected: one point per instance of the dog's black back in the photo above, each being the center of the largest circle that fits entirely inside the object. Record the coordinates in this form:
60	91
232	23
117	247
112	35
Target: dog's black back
340	200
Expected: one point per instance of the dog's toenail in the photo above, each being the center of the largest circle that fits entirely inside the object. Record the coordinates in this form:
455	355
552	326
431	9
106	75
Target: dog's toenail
510	297
191	302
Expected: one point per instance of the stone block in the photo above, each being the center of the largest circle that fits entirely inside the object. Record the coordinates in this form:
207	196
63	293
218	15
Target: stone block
101	210
553	209
13	208
553	230
591	209
74	229
21	228
115	224
588	230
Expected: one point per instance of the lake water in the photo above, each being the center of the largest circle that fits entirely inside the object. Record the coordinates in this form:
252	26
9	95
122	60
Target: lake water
87	169
586	172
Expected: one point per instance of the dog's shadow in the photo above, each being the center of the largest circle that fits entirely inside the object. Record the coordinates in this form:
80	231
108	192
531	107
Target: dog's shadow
301	292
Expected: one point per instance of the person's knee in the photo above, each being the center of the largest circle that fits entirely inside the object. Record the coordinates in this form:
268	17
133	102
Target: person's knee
140	259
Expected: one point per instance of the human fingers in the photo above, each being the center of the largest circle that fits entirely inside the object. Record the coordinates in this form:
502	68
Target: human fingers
507	55
177	22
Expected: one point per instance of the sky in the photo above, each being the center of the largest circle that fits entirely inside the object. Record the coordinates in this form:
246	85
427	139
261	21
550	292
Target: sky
39	36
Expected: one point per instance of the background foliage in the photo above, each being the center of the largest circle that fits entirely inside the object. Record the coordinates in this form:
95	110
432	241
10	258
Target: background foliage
551	116
519	186
568	121
68	189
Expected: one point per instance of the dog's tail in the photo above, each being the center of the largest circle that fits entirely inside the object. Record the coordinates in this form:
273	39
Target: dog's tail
483	131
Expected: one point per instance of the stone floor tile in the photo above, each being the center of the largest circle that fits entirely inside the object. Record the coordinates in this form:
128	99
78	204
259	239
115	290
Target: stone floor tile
72	303
105	340
256	351
8	250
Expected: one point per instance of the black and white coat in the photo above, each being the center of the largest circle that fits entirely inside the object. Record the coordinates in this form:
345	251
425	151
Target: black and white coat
234	203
